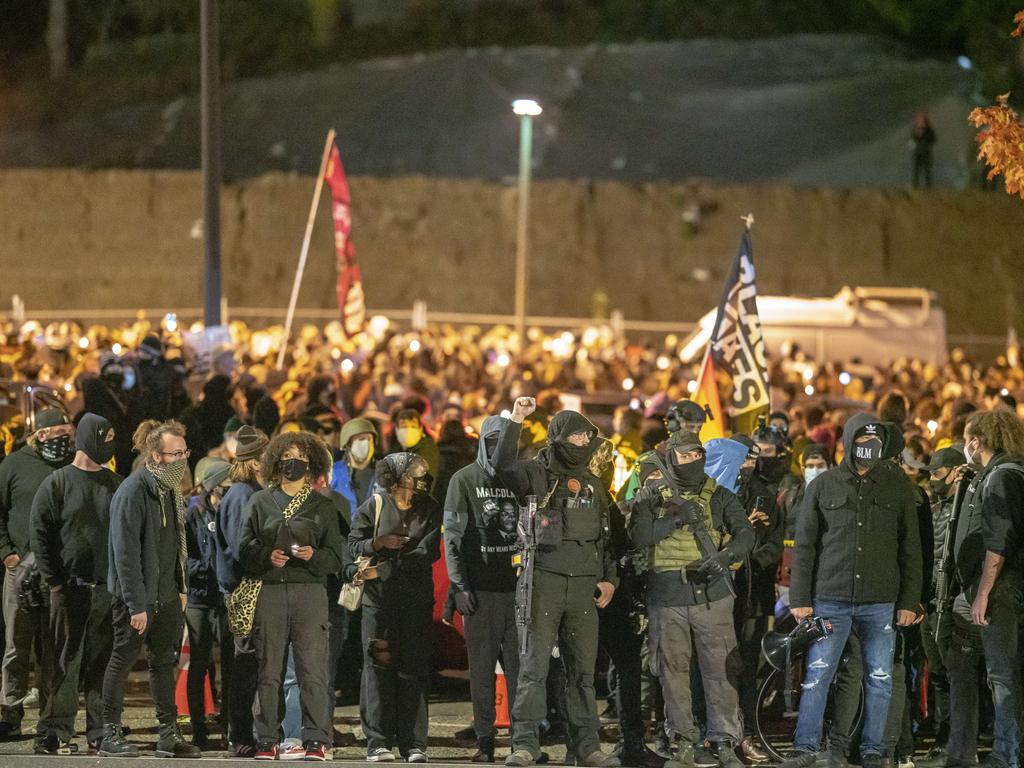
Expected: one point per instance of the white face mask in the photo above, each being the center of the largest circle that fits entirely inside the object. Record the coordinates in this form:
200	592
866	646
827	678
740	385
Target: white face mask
359	450
812	472
971	456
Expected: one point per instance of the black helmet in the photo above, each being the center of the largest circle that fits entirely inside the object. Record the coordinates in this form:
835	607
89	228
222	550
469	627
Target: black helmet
685	410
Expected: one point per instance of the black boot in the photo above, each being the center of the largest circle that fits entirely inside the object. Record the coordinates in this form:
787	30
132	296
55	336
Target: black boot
114	743
484	751
633	752
171	744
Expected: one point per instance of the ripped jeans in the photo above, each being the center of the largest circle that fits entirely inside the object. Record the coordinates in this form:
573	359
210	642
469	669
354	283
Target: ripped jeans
874	625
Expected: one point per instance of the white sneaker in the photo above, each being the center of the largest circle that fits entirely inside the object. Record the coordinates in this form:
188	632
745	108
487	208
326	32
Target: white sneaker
906	762
380	755
291	749
416	756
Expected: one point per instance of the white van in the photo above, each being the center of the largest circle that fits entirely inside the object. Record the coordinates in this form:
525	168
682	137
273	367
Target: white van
874	325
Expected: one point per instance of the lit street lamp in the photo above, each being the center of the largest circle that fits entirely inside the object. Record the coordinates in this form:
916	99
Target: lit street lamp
526	109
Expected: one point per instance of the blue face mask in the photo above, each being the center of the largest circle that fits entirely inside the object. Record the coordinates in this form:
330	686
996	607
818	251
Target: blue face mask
129	378
812	472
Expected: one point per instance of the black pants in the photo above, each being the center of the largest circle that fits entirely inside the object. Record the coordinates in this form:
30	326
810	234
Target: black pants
207	626
491	636
617	635
244	679
749	632
82	639
338	618
295	615
162	640
393	701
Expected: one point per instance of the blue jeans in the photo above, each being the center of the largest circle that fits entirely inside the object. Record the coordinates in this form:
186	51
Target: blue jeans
874	625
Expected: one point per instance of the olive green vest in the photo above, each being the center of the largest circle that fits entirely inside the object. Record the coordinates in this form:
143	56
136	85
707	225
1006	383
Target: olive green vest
679	550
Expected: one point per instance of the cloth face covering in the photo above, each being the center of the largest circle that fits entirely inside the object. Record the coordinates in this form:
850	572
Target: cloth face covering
91	438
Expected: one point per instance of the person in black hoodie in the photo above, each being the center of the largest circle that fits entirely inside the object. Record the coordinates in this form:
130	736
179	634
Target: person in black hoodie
290	542
105	396
571	577
857	563
47	449
456	450
70	525
206	617
400	528
161	383
478	554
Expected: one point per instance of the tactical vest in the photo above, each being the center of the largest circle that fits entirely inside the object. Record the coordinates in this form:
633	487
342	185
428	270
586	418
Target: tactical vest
679	550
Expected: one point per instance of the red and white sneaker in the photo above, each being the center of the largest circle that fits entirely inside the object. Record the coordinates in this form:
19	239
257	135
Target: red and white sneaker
315	750
291	749
266	750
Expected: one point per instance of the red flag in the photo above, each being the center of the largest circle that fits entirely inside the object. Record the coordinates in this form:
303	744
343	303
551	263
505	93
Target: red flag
707	395
351	301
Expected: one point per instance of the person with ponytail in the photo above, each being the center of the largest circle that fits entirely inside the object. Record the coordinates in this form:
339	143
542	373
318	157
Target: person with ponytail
990	568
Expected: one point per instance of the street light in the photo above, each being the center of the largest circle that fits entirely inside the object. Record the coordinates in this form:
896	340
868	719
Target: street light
526	109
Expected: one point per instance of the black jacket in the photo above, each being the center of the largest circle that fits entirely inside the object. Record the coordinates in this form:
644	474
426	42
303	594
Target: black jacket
992	520
542	476
136	519
480	517
71	526
21	474
404	574
755	580
315	524
857	537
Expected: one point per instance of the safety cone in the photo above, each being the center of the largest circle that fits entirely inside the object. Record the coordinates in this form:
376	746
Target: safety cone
181	688
501	719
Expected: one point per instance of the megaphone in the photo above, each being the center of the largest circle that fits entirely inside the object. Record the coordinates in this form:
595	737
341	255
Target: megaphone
779	649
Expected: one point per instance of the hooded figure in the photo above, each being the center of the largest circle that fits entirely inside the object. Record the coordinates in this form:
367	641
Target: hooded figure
857	556
480	518
572	572
91	438
205	421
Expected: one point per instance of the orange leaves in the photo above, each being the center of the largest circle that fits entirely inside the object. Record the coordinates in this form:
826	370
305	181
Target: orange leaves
1001	135
1001	143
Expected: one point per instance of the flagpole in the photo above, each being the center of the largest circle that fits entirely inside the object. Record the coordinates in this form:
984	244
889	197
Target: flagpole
305	249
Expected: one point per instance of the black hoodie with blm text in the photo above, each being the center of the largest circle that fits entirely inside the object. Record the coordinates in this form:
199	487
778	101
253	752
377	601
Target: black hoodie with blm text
857	536
480	516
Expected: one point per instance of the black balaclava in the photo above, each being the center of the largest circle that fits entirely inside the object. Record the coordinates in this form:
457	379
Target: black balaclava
563	455
689	476
772	468
91	438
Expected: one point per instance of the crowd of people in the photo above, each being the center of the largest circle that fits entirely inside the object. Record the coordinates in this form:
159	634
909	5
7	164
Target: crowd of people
291	520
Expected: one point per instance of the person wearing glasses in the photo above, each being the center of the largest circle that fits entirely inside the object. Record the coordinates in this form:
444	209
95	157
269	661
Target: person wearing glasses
146	581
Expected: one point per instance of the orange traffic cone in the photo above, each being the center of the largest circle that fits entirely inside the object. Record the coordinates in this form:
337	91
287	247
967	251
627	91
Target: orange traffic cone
181	688
501	719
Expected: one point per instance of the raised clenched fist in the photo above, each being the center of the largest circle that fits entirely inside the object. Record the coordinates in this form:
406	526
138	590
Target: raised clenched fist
522	408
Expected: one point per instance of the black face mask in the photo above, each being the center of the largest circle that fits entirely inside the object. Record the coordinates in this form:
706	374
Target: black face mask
690	475
423	484
868	453
771	468
940	488
56	450
490	445
91	439
294	469
571	456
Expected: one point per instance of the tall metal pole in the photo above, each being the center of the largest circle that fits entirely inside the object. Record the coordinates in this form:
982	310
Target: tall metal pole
209	41
522	225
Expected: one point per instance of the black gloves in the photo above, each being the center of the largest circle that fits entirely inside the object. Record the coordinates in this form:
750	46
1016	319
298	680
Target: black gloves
465	603
683	511
716	567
